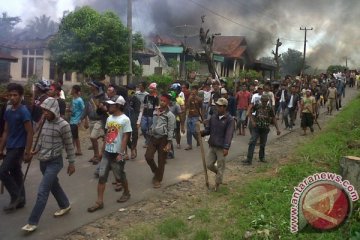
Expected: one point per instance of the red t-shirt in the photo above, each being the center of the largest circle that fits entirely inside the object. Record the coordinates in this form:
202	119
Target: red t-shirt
242	99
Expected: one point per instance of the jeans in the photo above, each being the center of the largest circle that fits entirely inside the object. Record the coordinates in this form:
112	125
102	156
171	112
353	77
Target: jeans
145	125
289	112
191	129
11	174
261	133
205	110
49	183
241	117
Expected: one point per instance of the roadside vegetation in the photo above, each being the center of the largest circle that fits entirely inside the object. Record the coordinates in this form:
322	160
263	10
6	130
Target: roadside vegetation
258	207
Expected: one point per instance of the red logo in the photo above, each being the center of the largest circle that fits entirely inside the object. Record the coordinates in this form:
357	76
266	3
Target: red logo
325	206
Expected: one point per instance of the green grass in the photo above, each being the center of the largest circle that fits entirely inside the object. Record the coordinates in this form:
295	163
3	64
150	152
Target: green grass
202	235
261	208
172	227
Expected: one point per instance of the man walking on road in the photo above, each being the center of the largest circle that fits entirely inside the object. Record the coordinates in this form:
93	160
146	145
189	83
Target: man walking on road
260	121
307	111
220	128
77	110
194	107
54	134
17	136
160	140
151	101
118	130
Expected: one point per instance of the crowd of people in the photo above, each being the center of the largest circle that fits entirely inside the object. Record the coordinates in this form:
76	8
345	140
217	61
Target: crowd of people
114	114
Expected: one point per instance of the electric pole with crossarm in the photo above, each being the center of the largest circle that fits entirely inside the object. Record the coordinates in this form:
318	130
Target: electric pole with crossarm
305	29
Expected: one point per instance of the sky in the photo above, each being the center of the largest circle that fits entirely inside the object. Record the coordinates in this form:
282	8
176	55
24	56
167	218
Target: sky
334	37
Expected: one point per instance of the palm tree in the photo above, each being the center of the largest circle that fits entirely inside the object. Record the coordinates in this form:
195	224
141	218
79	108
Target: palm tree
41	27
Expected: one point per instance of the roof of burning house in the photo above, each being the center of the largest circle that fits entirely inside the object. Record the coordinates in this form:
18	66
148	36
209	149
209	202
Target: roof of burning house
227	46
161	41
27	44
230	46
7	57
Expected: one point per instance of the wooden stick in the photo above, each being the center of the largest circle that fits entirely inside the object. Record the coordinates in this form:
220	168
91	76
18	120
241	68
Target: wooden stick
202	153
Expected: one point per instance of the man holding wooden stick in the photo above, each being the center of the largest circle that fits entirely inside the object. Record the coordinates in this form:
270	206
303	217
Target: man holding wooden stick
220	128
17	137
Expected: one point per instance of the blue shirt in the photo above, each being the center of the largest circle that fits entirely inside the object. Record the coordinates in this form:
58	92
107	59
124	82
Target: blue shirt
77	109
15	120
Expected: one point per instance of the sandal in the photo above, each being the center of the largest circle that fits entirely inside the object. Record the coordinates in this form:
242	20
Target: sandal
133	154
124	198
118	187
96	207
78	154
94	160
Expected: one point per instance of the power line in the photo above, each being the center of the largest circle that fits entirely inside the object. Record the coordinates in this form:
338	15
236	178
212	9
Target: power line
237	23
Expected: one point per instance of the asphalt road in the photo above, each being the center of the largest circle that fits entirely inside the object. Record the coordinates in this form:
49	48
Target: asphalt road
81	187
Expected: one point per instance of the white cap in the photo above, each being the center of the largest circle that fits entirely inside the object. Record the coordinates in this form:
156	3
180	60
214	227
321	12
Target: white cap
223	91
120	100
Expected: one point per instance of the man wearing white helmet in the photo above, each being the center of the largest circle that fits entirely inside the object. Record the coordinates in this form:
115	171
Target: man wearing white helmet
151	101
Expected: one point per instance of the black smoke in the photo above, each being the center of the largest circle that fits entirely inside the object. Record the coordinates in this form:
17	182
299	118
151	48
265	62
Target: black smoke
334	37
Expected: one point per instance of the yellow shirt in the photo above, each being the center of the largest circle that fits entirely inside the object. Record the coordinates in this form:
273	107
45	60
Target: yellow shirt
181	102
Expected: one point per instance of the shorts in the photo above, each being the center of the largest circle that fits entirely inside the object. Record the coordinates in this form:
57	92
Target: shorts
108	162
307	120
96	130
74	131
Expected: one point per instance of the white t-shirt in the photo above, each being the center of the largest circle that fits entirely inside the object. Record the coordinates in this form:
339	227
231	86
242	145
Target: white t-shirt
256	99
207	96
116	126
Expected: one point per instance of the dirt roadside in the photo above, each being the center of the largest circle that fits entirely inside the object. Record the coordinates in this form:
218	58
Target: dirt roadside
172	200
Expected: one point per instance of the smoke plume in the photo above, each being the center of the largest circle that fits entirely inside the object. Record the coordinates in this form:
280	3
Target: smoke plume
335	35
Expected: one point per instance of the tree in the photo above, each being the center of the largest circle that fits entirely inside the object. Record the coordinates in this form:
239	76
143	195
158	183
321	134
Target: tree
91	43
40	27
336	68
250	74
138	42
291	62
7	25
174	65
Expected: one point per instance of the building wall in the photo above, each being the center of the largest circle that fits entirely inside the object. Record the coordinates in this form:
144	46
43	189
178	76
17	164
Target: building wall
15	68
149	69
46	65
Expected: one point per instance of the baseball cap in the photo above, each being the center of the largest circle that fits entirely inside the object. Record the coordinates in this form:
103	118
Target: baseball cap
222	102
261	86
120	100
152	86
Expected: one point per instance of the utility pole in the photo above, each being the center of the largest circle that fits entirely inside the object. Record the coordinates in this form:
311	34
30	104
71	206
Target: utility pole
277	57
305	29
129	26
346	59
